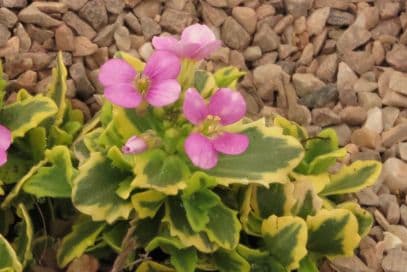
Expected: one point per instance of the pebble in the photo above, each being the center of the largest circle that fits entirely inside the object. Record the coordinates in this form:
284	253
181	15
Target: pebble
133	23
175	20
320	98
306	83
266	38
64	38
365	138
374	120
24	38
213	16
364	85
395	261
14	3
122	38
7	17
394	173
83	86
114	6
397	57
83	47
317	20
368	197
4	35
395	135
11	48
246	17
340	18
235	36
298	8
149	27
328	67
149	8
105	36
94	12
80	26
146	50
369	100
32	15
343	132
398	82
325	117
390	115
252	53
353	115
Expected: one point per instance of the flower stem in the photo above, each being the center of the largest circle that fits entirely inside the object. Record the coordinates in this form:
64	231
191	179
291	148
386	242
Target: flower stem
128	245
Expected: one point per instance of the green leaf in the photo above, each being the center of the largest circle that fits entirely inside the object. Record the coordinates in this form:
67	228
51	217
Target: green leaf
120	160
251	223
365	219
55	180
8	258
204	82
277	199
227	77
321	163
197	206
219	217
23	242
333	233
146	230
58	136
102	203
15	168
285	238
22	116
325	142
37	137
3	85
308	265
179	226
307	201
147	203
230	261
353	178
291	128
184	260
115	234
150	266
269	157
260	261
57	89
157	170
83	234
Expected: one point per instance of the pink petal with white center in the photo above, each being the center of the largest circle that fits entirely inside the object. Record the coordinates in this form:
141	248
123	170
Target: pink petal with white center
194	108
5	138
134	145
166	43
200	151
163	93
229	105
3	157
162	65
116	71
197	33
123	95
231	143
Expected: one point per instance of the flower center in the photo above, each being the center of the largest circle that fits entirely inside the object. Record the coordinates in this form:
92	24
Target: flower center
211	126
142	83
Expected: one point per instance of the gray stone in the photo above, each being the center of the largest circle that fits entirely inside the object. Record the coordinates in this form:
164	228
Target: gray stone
149	8
343	132
298	8
340	18
368	197
252	53
246	17
105	36
320	98
213	16
80	26
74	4
114	6
325	117
175	20
149	27
306	83
32	15
133	22
122	38
266	38
83	86
13	3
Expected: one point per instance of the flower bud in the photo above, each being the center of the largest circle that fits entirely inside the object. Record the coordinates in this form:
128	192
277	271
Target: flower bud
134	145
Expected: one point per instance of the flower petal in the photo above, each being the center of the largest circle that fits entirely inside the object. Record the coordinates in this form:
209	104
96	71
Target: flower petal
205	51
195	108
200	151
163	93
231	143
134	145
197	33
229	105
124	95
162	65
166	43
116	71
5	138
3	157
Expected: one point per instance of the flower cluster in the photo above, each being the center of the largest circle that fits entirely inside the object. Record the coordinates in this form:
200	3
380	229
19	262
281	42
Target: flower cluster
158	86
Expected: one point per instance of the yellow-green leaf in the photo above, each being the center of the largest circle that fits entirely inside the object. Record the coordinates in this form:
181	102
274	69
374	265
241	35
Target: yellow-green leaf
307	200
137	64
353	178
157	170
23	242
365	219
150	266
230	261
101	203
333	232
57	89
83	235
22	116
291	128
269	157
276	200
8	259
147	203
286	239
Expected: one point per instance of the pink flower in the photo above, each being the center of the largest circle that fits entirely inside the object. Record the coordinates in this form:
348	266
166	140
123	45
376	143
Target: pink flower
157	84
197	42
5	142
225	107
134	145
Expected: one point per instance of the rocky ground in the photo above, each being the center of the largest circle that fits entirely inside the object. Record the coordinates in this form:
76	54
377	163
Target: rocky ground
321	63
